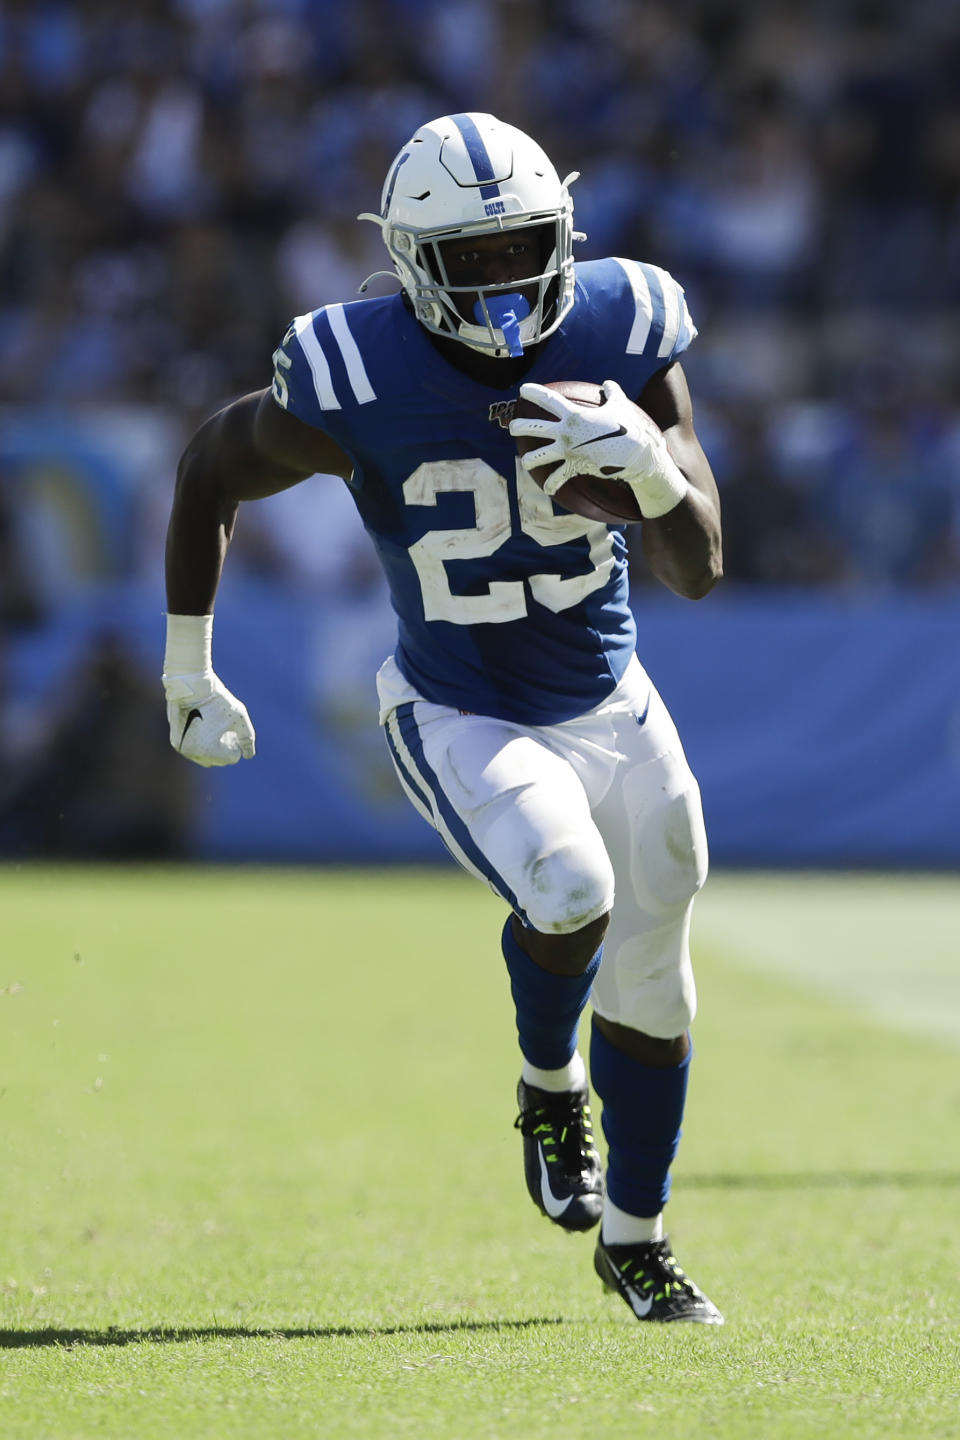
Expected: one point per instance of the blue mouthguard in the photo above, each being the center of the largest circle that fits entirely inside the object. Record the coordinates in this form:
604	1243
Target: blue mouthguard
506	312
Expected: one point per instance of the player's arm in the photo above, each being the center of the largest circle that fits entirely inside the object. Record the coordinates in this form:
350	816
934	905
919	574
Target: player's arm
683	545
249	450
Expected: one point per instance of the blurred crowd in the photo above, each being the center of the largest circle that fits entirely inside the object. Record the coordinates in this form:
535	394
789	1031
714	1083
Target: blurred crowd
180	177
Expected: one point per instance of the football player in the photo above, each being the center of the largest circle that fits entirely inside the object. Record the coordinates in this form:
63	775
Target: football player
521	723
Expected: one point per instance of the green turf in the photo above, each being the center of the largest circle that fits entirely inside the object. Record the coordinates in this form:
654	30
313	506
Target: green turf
260	1180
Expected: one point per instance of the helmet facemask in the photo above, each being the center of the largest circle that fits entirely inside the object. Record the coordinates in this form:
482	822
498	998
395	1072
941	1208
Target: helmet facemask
478	314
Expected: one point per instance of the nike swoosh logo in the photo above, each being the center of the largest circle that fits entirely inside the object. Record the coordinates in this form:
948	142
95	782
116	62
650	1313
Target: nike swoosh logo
551	1204
610	435
193	715
643	715
640	1304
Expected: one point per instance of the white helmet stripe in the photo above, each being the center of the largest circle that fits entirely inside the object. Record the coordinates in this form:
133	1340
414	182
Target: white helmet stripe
479	156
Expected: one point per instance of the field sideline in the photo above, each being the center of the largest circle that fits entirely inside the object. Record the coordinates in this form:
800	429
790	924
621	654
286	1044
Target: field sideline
261	1180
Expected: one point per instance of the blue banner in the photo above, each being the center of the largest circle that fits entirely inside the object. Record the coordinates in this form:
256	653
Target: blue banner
823	730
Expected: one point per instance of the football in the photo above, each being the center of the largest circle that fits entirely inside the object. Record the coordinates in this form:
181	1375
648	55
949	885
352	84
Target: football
595	497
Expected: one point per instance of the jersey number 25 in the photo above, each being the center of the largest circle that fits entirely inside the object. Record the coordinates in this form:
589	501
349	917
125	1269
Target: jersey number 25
503	600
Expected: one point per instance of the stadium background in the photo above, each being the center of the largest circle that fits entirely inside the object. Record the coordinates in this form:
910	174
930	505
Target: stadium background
179	178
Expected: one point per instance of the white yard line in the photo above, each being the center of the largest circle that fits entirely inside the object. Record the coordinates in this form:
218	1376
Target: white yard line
888	943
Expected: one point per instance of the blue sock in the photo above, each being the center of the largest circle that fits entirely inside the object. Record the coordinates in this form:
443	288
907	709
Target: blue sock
548	1006
642	1113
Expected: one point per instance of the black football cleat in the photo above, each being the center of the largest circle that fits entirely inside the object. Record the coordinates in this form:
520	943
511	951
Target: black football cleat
649	1280
560	1159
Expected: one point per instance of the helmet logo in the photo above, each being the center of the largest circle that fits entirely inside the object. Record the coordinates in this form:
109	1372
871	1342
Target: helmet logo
494	207
393	180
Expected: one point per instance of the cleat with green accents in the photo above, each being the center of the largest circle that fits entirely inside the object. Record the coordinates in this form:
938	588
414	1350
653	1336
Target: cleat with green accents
560	1160
649	1280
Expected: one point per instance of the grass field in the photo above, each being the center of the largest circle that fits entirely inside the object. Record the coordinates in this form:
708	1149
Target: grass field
260	1177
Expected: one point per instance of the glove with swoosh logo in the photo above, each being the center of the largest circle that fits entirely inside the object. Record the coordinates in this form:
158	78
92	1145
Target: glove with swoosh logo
615	439
208	724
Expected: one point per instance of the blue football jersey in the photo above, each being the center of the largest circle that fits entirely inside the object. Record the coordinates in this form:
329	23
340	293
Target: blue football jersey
507	604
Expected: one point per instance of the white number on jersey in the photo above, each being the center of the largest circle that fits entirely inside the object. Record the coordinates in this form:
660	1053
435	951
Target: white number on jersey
504	599
540	521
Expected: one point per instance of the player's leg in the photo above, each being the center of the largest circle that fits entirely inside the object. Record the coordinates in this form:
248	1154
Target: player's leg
550	980
514	813
644	1001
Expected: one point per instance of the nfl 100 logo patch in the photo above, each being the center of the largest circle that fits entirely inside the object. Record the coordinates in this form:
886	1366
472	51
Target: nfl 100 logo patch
501	413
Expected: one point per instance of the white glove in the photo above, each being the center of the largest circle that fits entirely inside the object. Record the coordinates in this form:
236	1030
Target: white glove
616	439
207	724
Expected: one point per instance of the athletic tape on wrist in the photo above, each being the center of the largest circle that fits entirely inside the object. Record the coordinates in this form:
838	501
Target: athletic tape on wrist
660	493
189	645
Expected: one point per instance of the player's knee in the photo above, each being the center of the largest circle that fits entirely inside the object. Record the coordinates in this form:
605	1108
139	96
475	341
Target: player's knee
647	984
669	1009
669	862
568	888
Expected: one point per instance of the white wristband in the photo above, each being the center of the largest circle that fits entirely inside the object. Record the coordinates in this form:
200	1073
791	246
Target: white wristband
661	492
189	645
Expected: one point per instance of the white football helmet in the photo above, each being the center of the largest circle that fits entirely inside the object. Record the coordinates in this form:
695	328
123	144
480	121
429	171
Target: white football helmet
471	174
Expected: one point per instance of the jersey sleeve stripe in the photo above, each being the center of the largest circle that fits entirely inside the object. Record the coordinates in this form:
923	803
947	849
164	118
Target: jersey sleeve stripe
356	371
319	369
688	331
669	293
654	286
643	317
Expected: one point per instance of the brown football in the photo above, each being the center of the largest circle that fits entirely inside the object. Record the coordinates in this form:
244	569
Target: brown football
595	497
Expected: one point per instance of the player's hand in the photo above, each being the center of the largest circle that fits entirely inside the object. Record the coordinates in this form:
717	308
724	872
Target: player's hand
207	724
616	439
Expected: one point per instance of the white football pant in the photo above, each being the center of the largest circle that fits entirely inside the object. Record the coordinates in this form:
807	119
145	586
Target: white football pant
561	819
